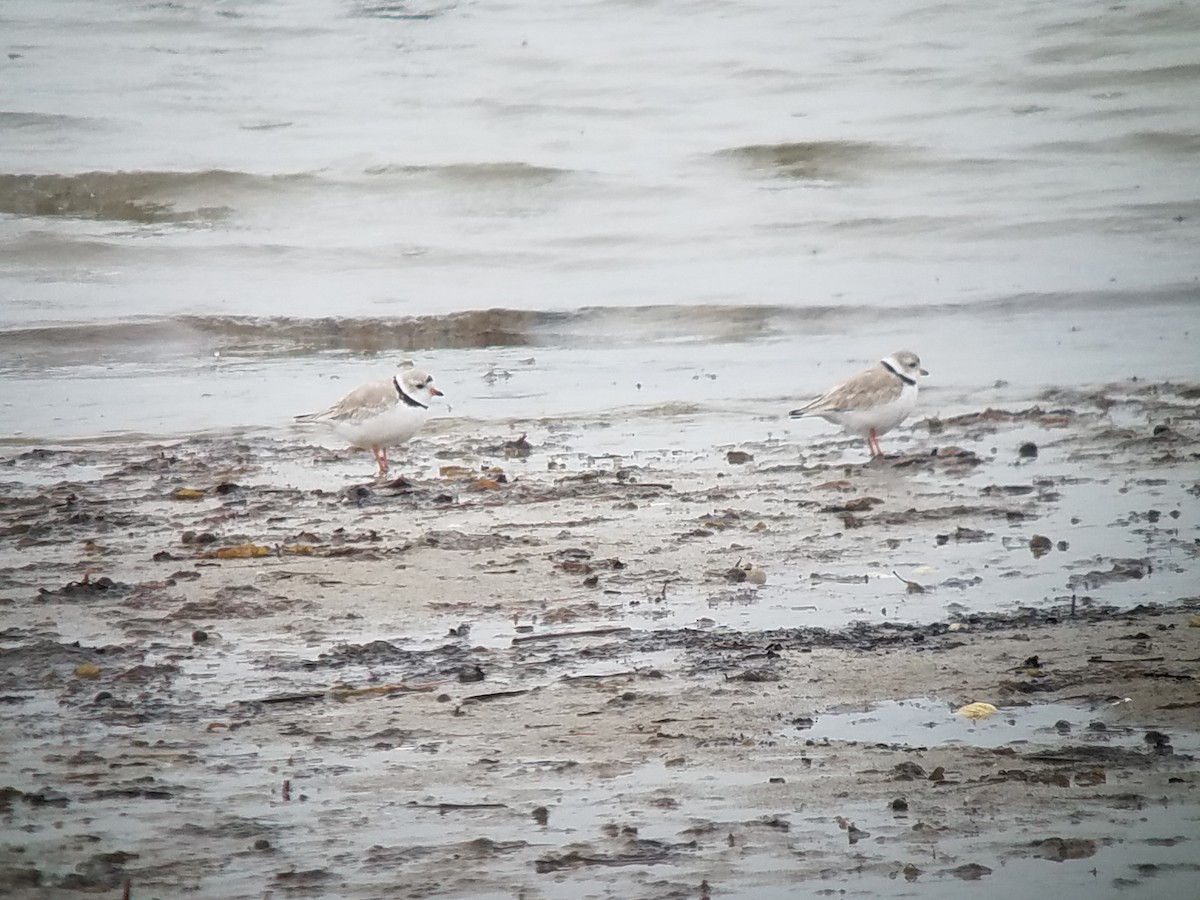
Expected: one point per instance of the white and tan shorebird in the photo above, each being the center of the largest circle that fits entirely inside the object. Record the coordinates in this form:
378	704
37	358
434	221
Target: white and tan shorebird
380	414
872	402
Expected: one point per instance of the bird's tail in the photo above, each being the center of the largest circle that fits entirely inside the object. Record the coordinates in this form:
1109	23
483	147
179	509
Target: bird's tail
803	411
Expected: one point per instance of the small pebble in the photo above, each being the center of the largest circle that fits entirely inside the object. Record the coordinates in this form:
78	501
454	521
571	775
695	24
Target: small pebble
1028	450
199	636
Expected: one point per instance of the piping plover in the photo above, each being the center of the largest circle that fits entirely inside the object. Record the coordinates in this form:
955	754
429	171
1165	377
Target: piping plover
874	401
380	414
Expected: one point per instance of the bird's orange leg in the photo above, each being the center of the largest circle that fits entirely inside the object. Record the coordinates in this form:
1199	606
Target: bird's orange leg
873	443
380	459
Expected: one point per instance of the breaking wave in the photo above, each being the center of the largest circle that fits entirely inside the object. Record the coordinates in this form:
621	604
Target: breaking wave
148	197
279	336
816	160
474	173
142	197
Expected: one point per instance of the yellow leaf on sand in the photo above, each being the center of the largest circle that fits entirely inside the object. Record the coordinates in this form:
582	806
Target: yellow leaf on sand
1194	622
977	711
87	670
238	551
299	549
187	494
483	484
456	472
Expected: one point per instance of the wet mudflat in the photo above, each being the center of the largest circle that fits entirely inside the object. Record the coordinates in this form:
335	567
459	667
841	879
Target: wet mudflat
236	667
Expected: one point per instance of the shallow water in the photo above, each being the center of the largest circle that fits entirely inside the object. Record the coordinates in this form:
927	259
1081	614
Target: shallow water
206	210
727	378
924	721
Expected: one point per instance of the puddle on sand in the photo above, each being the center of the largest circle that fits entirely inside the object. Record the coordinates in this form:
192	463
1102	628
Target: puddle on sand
1122	852
924	721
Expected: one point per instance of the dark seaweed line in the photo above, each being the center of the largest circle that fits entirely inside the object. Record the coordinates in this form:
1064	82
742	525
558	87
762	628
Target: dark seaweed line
505	327
865	636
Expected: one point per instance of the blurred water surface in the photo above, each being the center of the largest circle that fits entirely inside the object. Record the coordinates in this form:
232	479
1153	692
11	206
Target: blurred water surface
207	208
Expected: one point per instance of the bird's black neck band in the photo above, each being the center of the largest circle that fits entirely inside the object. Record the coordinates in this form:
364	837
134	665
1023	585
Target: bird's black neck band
408	401
887	365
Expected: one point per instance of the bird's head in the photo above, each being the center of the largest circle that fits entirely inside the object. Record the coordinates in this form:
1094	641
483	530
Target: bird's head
906	363
418	385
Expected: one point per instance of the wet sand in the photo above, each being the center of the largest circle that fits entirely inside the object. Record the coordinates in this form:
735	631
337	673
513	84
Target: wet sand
237	667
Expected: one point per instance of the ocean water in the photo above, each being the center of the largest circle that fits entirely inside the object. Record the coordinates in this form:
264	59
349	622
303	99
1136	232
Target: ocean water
214	215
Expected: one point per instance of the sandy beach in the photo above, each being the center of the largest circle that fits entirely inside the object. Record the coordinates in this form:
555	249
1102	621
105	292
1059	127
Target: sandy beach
239	667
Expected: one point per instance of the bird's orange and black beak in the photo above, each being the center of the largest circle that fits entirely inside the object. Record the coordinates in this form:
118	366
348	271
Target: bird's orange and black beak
434	392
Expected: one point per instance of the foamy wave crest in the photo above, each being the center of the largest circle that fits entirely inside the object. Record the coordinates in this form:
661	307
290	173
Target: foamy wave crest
485	172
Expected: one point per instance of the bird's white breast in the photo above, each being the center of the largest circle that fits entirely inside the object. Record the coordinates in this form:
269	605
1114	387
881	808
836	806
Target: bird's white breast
389	427
882	417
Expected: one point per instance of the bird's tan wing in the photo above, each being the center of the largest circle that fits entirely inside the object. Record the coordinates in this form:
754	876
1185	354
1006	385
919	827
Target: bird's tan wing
364	401
870	387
